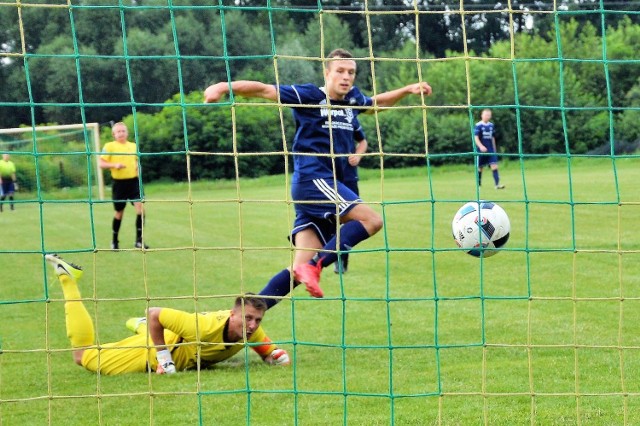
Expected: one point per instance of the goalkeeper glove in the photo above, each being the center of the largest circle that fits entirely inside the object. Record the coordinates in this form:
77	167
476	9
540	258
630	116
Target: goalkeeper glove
280	357
165	363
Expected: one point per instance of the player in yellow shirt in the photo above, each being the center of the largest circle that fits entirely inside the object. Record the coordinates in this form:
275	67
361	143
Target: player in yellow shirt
7	180
120	156
169	340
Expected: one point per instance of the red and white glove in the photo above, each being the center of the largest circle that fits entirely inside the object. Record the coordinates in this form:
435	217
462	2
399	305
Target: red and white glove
165	363
279	357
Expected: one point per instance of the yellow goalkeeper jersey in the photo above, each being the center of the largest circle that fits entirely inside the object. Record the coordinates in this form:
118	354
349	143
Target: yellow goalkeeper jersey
185	334
204	331
125	153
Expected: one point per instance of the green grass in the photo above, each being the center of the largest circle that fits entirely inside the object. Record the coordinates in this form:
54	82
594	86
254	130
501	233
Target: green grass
416	333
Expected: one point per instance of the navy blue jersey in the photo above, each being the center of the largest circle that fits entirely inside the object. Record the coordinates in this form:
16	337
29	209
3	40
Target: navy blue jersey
313	127
350	173
486	132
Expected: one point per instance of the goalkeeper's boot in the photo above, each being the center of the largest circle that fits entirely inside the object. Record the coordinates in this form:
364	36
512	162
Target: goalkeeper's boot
309	275
134	324
62	267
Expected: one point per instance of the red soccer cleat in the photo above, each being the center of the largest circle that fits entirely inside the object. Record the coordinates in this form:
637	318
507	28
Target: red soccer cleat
309	275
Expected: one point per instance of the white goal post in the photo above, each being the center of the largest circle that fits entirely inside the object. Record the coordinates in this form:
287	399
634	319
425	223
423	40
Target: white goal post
92	128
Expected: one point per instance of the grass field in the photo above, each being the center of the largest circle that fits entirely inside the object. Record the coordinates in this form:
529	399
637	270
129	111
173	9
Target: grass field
416	333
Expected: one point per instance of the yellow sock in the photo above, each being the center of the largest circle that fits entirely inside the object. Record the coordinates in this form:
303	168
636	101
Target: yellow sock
79	324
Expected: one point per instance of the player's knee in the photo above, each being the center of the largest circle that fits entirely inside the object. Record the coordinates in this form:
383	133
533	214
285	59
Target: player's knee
373	223
153	314
378	222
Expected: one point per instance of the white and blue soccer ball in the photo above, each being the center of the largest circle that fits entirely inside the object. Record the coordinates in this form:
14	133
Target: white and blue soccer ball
480	228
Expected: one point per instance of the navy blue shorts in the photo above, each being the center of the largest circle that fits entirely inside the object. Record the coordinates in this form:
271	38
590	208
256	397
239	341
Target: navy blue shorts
318	206
325	229
487	159
8	187
353	185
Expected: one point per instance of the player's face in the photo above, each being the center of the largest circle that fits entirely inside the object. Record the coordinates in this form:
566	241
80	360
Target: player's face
339	77
5	157
120	133
252	320
486	115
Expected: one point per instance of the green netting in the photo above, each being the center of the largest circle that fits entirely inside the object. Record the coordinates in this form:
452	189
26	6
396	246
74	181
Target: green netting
416	332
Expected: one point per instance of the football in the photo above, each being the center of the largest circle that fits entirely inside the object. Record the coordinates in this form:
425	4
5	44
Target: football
481	228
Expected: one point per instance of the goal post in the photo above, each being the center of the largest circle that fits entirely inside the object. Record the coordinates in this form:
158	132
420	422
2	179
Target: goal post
90	136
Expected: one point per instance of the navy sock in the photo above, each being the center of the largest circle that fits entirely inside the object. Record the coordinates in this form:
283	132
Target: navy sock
496	177
116	229
351	233
479	178
279	285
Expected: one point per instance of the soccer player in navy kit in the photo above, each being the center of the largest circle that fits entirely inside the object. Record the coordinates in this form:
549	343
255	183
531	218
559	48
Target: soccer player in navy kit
485	140
324	125
350	179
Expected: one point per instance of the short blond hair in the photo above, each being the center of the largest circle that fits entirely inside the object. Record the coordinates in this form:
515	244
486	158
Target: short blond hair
118	124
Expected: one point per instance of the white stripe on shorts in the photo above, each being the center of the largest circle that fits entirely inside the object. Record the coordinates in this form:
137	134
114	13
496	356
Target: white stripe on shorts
331	194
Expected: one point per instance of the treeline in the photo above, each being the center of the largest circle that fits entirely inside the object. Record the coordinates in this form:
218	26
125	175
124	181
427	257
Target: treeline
551	91
97	61
542	104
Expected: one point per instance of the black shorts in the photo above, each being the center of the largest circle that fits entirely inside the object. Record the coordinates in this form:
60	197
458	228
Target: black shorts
124	190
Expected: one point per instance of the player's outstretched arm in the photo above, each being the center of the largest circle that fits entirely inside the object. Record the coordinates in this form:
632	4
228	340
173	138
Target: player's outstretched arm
246	88
156	332
270	353
392	97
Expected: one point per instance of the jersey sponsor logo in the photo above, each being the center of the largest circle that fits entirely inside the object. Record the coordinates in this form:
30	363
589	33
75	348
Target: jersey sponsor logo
347	113
486	130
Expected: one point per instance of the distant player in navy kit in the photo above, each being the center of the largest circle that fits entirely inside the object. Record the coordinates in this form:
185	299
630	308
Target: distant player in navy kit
486	142
324	124
350	179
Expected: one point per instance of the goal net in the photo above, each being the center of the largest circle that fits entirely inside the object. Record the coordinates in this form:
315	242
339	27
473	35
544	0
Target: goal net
416	332
56	158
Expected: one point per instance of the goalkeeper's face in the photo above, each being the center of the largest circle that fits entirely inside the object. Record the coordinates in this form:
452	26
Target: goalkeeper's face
339	77
250	321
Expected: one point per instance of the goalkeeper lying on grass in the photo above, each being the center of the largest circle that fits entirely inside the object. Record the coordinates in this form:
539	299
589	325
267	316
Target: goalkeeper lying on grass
169	340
